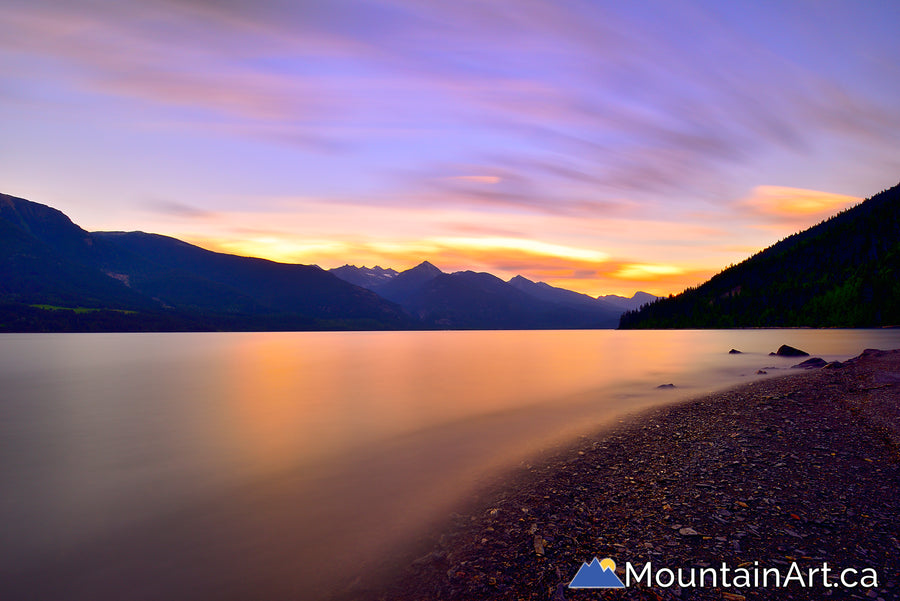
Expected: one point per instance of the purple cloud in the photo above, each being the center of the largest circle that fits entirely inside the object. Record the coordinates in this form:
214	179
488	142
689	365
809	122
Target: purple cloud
579	105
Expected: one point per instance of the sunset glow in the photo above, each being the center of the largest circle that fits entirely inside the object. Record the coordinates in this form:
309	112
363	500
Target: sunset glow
790	202
605	147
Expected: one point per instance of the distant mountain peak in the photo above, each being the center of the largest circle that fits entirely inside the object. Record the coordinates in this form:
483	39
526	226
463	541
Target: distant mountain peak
628	304
366	277
621	302
376	268
524	283
399	287
643	296
426	267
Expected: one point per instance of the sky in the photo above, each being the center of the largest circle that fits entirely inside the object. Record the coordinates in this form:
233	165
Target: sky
605	147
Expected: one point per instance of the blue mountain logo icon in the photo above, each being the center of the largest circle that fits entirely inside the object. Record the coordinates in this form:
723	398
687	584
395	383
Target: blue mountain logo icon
597	574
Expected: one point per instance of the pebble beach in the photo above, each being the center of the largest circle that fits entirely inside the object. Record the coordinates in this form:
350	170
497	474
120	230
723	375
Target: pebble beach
787	474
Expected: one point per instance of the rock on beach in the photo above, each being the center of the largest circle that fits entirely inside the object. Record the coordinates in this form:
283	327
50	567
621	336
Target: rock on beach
789	351
814	363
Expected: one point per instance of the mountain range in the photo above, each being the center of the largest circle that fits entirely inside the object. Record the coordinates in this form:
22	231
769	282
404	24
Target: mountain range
843	272
59	277
471	300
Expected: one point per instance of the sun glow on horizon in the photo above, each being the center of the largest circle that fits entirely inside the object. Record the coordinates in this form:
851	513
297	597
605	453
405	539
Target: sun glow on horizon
638	271
581	270
596	255
535	247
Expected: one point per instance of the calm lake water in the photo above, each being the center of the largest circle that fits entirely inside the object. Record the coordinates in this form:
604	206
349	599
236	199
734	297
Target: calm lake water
285	465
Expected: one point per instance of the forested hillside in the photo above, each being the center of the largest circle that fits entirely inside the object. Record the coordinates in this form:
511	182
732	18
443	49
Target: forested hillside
843	272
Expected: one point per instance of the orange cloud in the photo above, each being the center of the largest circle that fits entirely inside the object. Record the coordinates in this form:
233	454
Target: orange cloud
643	271
527	246
795	204
478	179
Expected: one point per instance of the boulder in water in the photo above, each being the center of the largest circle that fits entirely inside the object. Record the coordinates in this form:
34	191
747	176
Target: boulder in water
789	351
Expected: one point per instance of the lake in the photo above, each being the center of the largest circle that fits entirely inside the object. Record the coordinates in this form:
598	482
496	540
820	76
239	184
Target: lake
287	465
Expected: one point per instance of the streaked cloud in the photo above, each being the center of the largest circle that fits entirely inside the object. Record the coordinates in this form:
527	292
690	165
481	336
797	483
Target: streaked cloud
533	72
525	245
787	209
178	209
278	247
638	271
478	179
783	201
588	141
480	229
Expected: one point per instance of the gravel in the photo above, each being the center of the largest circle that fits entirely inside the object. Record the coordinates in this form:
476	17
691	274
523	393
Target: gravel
801	469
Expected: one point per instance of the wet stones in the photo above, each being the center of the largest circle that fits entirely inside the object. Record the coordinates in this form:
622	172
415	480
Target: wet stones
814	363
789	351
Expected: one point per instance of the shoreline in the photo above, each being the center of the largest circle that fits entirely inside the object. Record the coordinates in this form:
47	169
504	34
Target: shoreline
802	468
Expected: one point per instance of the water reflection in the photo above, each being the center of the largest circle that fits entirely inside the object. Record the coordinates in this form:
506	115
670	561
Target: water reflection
209	465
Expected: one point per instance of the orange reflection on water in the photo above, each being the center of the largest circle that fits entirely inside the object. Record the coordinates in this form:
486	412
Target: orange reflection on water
261	384
285	402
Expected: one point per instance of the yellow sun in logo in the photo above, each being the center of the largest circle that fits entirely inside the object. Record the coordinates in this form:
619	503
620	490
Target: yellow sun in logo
608	564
